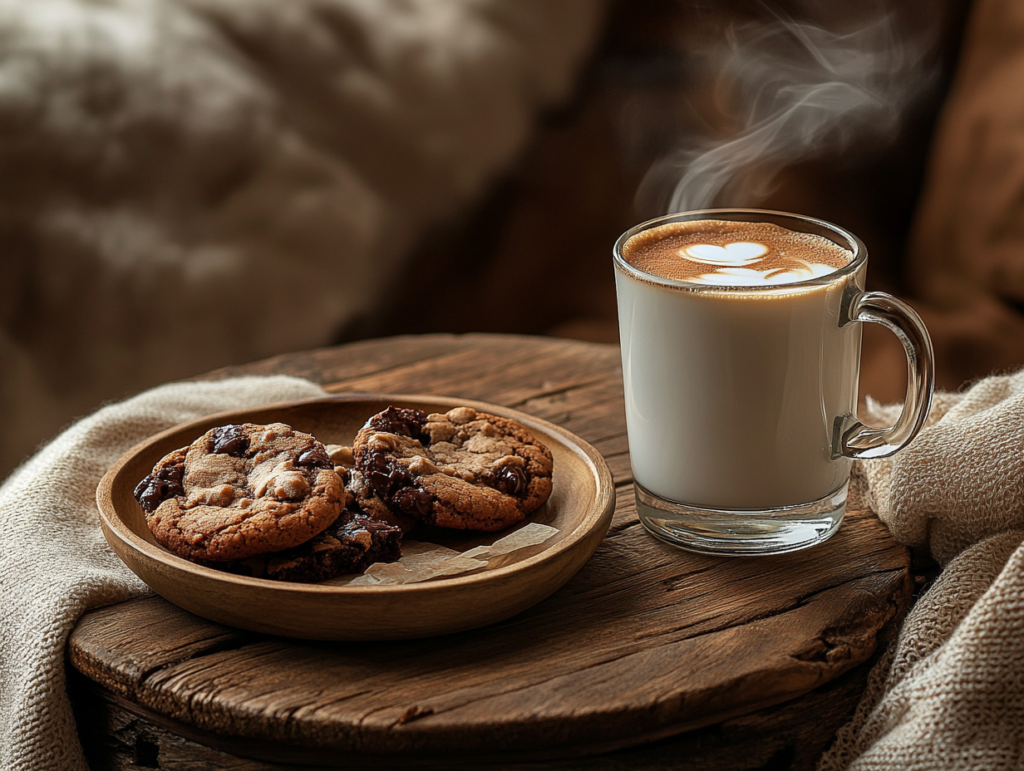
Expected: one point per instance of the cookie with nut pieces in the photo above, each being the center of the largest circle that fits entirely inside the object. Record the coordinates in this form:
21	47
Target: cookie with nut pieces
241	490
462	469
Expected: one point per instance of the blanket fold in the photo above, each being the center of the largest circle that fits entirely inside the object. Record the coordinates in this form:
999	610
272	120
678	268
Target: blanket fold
949	693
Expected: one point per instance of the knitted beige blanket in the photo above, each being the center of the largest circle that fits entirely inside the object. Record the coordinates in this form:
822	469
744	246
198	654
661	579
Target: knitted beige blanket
55	563
949	694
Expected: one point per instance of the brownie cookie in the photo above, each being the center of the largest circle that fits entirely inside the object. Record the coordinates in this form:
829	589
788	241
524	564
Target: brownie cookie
350	545
368	501
239	491
463	469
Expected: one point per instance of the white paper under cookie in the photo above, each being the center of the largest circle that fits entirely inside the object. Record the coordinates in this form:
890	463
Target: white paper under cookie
423	561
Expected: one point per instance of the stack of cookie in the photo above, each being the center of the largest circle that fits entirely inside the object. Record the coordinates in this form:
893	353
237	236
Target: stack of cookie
272	502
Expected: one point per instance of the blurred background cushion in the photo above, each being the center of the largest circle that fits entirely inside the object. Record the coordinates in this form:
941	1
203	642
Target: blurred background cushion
186	184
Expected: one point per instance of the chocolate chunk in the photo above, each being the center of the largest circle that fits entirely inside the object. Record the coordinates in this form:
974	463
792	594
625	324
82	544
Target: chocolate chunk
511	480
230	440
163	482
385	475
314	457
386	543
414	502
172	474
402	422
151	492
140	488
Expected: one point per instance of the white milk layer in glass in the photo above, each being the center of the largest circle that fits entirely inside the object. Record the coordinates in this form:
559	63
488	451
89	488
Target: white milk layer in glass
732	395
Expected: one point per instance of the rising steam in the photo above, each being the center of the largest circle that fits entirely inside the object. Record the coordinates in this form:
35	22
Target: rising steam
796	91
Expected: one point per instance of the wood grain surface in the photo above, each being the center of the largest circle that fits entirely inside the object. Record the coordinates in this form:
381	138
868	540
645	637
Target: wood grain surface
645	642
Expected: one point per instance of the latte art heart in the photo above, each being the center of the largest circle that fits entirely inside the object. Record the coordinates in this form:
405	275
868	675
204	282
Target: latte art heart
735	254
722	253
750	277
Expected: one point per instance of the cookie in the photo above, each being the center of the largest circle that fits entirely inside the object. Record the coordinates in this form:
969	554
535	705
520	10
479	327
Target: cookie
239	491
462	469
368	501
365	498
350	545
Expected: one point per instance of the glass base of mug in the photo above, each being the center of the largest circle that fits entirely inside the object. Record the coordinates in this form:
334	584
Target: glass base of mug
744	531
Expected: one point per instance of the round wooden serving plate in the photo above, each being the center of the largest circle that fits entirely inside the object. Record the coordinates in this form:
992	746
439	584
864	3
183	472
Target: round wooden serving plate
580	507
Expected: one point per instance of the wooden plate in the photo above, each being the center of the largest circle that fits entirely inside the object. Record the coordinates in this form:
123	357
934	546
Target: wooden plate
580	506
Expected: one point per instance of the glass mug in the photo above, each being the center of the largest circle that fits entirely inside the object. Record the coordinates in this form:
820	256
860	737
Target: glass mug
741	400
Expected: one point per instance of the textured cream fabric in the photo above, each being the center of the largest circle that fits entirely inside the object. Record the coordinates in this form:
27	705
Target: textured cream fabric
962	478
950	693
55	563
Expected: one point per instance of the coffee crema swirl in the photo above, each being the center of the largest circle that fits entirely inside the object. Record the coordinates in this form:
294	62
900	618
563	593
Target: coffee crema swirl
720	253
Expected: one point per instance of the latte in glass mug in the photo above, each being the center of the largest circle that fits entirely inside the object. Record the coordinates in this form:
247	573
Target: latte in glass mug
741	354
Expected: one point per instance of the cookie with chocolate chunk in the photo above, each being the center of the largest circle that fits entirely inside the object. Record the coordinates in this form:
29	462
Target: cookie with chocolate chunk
352	543
239	491
462	469
365	498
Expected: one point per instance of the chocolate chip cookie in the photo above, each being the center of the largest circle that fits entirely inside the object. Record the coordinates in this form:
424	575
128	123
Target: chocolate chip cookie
239	491
462	469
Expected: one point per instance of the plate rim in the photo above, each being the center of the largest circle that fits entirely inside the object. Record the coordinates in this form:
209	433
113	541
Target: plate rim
601	508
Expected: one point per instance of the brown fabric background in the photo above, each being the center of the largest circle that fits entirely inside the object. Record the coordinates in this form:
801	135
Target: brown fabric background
966	257
534	255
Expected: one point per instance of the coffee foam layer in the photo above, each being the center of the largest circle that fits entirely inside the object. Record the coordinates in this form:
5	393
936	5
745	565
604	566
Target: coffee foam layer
721	253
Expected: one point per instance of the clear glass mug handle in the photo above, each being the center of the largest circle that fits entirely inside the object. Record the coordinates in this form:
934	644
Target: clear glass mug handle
852	438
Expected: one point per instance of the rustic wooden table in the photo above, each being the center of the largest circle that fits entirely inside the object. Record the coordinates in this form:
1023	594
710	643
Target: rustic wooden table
649	658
